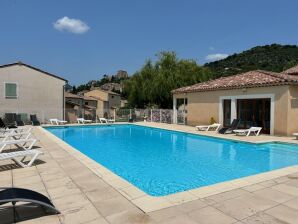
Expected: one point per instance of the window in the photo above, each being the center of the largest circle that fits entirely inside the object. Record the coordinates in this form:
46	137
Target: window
11	91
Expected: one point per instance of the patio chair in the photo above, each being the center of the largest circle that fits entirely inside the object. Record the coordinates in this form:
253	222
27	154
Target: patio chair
229	130
247	132
23	154
214	126
25	144
34	120
14	136
14	195
19	121
56	121
83	121
296	135
6	126
10	119
2	124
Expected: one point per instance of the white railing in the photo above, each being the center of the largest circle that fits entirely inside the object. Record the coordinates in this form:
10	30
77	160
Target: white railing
119	115
148	115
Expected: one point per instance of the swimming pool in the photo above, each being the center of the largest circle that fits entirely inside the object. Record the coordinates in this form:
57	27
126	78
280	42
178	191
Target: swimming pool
162	162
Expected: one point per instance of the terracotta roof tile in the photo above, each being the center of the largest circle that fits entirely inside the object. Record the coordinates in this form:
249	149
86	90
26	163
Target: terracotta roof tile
89	98
249	79
89	107
98	98
70	95
292	71
102	90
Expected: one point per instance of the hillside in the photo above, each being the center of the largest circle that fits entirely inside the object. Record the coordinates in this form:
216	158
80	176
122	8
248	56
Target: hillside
151	85
273	57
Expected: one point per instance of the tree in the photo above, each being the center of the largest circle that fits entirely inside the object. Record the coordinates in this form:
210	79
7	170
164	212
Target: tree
74	89
152	85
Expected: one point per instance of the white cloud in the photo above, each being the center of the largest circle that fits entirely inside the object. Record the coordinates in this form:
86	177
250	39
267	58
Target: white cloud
71	25
216	57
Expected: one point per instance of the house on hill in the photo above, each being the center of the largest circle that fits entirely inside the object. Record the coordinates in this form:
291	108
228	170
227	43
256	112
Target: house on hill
121	74
26	90
257	98
79	106
111	86
107	102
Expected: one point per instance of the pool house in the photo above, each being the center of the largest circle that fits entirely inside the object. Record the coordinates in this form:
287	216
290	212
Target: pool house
258	98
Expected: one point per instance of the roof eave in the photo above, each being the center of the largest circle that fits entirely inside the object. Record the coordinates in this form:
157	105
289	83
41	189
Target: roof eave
34	68
234	87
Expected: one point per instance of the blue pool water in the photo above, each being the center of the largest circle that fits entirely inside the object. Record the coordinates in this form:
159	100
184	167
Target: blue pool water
162	162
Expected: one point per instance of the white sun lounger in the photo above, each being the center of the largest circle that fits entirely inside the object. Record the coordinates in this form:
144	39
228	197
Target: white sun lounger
296	135
103	120
16	130
25	144
5	131
83	121
247	132
214	126
23	154
23	129
56	121
14	136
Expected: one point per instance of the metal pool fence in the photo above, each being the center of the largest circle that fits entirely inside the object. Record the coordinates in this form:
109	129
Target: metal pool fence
119	115
151	115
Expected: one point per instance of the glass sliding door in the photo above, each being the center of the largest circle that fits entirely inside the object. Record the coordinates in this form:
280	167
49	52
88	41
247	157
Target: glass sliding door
181	106
254	112
226	113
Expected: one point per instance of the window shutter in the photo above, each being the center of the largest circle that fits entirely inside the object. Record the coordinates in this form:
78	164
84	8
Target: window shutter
11	90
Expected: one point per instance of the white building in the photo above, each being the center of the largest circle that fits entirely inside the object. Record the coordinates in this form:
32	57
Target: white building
27	90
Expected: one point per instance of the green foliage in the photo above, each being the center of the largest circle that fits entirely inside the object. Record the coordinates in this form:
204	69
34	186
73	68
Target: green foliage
155	81
273	57
80	88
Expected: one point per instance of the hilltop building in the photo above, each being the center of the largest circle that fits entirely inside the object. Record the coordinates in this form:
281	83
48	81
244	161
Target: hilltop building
121	74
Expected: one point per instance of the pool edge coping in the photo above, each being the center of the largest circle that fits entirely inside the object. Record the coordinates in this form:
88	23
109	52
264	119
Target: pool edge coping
218	136
149	203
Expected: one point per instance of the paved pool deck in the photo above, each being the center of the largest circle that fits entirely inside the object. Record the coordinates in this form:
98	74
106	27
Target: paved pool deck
85	192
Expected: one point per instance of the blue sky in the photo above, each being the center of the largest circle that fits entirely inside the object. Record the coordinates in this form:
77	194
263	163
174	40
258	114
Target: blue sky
106	36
